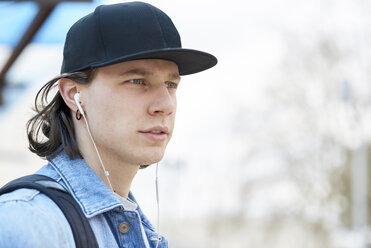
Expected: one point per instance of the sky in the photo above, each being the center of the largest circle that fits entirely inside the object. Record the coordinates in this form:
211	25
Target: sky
16	16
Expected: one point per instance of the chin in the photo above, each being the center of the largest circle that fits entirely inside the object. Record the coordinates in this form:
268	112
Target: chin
152	158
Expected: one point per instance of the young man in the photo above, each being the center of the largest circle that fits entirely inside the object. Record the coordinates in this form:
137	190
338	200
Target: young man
113	114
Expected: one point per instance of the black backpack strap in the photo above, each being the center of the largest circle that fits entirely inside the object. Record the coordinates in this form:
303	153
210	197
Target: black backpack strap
82	233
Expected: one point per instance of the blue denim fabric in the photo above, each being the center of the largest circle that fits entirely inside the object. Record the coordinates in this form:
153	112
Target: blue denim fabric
30	219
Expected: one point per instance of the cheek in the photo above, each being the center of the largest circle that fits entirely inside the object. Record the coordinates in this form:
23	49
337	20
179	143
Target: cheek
175	108
102	103
113	120
109	126
100	113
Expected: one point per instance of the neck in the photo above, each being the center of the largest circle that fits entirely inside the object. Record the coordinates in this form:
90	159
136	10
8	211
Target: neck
121	174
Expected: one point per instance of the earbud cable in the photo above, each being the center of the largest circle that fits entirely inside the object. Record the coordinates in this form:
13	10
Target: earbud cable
106	173
158	208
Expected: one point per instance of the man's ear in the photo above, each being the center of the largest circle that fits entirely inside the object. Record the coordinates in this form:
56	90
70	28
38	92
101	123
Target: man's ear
68	88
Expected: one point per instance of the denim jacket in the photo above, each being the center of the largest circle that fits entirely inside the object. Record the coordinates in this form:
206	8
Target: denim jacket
30	219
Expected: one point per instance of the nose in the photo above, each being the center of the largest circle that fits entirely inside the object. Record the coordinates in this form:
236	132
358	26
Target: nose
163	103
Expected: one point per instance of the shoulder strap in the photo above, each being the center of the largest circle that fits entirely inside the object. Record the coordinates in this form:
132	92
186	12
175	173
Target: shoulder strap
82	233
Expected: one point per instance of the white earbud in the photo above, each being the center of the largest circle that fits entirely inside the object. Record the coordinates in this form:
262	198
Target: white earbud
77	100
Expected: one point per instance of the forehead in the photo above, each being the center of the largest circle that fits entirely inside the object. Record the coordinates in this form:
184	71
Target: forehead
143	67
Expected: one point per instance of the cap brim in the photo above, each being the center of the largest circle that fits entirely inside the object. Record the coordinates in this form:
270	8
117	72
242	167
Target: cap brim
189	61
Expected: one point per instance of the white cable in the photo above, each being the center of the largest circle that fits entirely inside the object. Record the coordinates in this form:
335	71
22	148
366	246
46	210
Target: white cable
106	173
158	208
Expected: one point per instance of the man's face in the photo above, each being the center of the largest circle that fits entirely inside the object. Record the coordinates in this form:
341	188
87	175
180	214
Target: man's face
130	107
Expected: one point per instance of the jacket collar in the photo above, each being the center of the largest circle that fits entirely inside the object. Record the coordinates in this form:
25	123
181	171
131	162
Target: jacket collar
86	187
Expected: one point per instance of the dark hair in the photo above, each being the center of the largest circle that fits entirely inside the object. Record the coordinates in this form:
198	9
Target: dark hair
54	120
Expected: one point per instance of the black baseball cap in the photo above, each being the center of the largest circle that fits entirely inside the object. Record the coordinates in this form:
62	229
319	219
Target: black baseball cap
128	31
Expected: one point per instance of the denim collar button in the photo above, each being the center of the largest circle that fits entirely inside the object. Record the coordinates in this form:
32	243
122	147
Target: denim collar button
124	227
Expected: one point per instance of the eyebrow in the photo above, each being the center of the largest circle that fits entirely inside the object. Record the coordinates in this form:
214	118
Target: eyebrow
144	73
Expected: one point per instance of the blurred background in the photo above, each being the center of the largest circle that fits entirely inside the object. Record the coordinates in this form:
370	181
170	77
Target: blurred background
271	146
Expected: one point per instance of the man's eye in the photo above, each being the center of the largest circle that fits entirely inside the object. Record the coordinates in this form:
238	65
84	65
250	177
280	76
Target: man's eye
136	81
171	85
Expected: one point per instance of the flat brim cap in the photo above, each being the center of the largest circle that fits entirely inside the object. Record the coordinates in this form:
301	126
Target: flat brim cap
128	31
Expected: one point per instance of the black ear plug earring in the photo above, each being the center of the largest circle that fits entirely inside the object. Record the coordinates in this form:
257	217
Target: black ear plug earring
78	115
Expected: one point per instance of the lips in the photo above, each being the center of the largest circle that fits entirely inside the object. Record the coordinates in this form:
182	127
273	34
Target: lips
158	133
157	129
